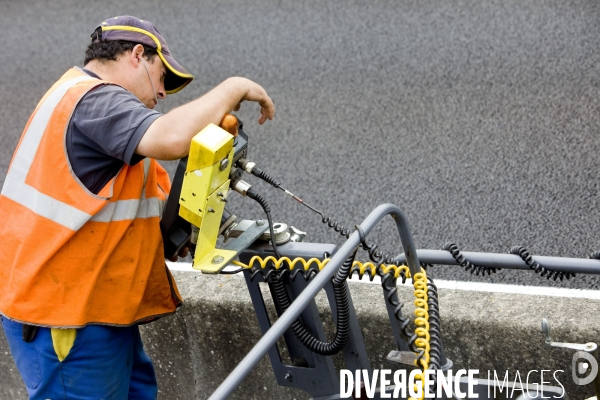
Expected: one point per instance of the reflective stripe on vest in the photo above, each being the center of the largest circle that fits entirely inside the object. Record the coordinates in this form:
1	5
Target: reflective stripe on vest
129	209
48	207
15	187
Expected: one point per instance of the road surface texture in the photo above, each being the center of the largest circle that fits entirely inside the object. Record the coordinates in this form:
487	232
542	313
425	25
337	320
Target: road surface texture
479	119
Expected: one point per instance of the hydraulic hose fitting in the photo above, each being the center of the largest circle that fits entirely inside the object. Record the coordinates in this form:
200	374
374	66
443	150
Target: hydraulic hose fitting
246	165
241	186
251	168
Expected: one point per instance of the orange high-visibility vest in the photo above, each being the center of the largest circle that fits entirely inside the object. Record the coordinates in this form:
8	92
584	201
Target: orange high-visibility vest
69	257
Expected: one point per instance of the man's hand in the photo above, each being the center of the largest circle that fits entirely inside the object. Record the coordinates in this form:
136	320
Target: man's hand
257	94
169	136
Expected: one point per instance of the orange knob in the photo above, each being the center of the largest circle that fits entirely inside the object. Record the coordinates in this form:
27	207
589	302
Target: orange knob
230	124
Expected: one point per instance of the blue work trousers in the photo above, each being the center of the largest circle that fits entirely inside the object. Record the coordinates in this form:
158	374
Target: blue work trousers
103	363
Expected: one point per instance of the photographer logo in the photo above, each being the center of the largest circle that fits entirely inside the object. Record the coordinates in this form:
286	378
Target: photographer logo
580	367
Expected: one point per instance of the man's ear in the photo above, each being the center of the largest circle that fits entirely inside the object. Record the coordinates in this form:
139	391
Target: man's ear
137	53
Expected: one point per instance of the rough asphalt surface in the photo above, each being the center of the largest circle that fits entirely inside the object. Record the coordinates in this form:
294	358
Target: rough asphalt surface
479	119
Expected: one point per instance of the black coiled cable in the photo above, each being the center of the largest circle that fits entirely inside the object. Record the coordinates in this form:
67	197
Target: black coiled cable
536	267
392	298
306	274
340	291
595	255
435	339
335	226
376	256
261	200
466	264
265	177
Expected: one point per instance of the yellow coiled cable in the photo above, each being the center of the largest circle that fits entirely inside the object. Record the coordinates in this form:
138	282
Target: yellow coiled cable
362	267
278	263
421	330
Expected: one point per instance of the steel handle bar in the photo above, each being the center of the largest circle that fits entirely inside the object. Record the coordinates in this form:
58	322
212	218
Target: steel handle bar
289	316
509	261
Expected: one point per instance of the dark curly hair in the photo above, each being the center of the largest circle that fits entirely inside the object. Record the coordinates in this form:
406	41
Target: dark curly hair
112	49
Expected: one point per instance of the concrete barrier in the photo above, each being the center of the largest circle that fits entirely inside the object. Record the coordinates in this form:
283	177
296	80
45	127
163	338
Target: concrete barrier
484	329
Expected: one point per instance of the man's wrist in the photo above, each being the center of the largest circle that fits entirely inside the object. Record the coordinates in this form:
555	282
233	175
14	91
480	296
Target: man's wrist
239	86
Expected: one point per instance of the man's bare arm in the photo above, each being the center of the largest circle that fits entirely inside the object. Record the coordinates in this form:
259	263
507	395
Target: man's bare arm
169	136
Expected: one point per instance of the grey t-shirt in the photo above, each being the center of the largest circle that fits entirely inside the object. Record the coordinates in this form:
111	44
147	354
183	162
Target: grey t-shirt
104	131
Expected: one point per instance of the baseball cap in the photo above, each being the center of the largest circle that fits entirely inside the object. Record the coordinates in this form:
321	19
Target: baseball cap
141	31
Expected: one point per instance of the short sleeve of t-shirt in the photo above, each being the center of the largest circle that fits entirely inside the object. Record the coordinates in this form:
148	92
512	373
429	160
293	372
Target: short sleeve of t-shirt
103	133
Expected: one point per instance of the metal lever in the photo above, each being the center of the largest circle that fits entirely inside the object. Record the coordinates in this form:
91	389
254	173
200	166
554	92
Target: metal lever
588	347
589	352
404	358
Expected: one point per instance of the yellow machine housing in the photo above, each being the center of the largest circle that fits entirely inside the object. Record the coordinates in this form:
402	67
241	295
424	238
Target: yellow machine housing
204	193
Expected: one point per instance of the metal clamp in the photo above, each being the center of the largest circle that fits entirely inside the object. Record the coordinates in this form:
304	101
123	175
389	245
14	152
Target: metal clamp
296	234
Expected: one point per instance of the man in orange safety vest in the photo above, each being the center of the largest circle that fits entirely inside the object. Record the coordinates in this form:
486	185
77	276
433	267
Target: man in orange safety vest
81	251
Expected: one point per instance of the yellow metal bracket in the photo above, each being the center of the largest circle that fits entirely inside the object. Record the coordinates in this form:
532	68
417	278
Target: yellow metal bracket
206	187
203	196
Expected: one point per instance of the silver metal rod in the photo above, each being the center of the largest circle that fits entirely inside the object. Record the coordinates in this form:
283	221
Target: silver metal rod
509	261
296	308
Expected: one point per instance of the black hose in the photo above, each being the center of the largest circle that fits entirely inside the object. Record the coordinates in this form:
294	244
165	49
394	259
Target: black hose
340	291
536	267
306	274
261	200
391	296
466	264
265	177
435	341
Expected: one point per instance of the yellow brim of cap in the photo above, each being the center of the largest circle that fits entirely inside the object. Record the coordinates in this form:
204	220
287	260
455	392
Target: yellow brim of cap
187	77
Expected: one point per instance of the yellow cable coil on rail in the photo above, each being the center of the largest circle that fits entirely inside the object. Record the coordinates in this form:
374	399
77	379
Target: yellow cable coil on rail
362	268
421	330
420	292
